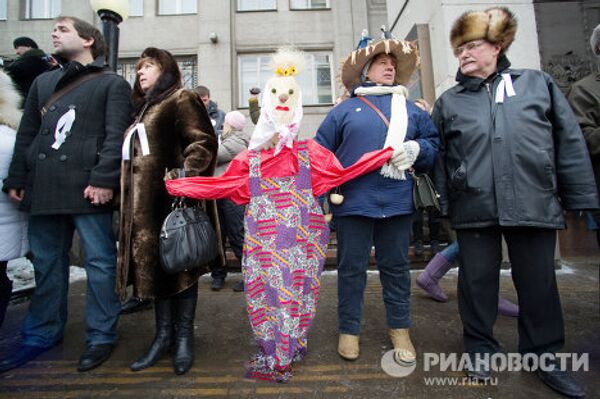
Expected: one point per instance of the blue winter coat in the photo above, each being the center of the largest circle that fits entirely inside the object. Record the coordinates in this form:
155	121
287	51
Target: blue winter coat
352	129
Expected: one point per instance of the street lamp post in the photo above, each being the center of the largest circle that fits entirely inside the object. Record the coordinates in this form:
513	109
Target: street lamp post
111	13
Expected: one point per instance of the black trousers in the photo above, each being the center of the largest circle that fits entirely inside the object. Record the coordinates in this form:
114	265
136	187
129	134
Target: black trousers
531	253
231	218
433	222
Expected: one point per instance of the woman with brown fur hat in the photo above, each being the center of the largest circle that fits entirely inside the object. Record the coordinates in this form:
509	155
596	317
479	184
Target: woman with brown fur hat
172	130
513	157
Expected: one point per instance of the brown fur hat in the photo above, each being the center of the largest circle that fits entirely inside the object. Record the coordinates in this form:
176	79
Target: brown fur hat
496	25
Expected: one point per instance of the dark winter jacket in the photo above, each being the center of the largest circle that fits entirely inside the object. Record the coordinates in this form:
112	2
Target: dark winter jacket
217	117
516	163
26	68
54	179
584	98
352	129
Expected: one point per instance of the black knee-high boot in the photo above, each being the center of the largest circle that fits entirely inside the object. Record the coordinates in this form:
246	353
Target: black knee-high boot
163	338
5	290
184	329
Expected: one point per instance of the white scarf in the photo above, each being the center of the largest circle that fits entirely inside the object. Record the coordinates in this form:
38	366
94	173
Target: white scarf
266	127
398	122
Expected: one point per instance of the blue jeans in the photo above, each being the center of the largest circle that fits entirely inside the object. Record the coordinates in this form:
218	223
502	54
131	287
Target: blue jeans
451	252
355	237
50	238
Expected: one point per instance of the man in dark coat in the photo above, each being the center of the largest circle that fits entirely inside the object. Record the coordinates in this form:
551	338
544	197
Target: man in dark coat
31	62
217	116
584	98
64	172
512	158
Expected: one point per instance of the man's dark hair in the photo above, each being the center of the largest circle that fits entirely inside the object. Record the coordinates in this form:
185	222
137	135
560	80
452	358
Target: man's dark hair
202	91
87	31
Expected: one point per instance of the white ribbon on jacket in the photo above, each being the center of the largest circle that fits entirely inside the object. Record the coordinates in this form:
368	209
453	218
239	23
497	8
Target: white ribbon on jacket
141	133
63	127
505	84
396	132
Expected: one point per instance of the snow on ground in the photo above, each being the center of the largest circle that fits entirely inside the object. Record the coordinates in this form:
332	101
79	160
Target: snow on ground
20	271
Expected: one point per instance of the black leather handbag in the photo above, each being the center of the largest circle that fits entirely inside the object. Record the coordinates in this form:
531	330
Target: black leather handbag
187	238
424	194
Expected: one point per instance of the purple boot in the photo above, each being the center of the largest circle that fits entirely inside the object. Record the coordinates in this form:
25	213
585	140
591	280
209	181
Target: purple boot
507	308
428	280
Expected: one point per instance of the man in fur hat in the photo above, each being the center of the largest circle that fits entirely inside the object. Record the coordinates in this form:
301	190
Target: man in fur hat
377	207
512	159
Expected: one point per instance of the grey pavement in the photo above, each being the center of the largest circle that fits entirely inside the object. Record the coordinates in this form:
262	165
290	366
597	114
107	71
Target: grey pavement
224	342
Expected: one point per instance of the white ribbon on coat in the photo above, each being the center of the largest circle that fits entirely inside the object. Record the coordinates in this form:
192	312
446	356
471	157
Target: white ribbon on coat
63	127
505	84
141	133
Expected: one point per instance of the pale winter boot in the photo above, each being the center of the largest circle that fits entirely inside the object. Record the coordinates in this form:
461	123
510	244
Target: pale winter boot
404	351
348	346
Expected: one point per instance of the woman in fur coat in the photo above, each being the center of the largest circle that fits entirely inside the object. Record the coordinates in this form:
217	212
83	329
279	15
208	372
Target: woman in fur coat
13	224
172	130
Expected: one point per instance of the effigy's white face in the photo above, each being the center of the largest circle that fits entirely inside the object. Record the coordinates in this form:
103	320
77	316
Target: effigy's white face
284	94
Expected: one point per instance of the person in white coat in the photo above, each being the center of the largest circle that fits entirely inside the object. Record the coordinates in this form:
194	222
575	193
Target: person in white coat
13	223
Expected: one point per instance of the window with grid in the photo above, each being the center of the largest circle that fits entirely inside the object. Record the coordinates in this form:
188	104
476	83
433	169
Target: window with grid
315	81
308	4
177	7
256	5
136	8
187	66
41	9
2	10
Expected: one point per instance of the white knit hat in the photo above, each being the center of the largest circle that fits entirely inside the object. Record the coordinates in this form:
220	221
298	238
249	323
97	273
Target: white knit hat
236	120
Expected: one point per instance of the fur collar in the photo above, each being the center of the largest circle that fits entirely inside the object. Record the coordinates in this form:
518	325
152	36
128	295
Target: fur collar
10	114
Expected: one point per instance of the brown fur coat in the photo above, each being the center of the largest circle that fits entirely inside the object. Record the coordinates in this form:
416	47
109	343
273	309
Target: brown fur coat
179	134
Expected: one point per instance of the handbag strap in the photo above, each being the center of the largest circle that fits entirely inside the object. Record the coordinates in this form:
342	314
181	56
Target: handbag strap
58	94
377	110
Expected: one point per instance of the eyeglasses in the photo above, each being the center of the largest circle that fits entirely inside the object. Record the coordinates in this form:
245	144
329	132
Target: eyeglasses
470	46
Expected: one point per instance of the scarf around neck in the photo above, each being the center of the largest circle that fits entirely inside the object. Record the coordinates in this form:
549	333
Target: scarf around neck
396	132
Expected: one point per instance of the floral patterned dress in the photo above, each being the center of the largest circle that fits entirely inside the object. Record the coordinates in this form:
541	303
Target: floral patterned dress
284	251
285	240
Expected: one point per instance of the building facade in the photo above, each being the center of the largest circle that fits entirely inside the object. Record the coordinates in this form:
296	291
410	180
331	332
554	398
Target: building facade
224	45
